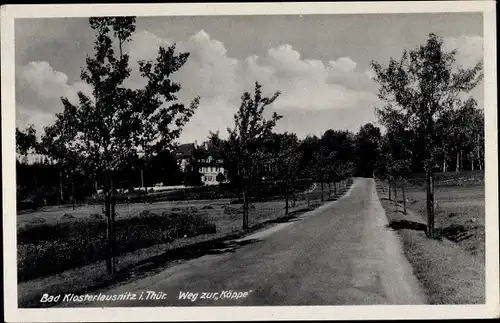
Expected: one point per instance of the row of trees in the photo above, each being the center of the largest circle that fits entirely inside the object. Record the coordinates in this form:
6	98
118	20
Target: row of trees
253	152
117	129
108	132
428	118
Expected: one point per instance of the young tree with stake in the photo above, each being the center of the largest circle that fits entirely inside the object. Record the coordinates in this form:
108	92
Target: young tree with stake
104	131
419	87
284	149
250	131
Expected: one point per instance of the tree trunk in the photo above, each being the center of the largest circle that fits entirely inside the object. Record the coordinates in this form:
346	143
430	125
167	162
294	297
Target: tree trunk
73	192
430	204
322	198
472	161
462	168
294	199
444	163
335	188
479	161
142	179
286	198
109	224
329	190
395	192
478	154
457	169
61	188
113	222
404	198
390	190
245	207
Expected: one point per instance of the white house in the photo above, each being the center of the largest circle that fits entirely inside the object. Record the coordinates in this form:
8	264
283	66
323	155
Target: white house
210	168
206	159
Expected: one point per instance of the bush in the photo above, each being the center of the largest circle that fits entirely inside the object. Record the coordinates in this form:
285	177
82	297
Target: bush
231	210
207	207
47	249
146	213
96	216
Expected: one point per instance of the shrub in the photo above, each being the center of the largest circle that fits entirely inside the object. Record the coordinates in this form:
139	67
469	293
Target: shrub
231	210
146	213
207	207
37	220
49	249
96	216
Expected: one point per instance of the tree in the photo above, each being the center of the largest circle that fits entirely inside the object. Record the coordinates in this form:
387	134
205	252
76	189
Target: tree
220	178
250	131
26	141
384	162
340	165
420	87
281	151
445	128
367	141
307	148
101	133
192	176
468	131
321	166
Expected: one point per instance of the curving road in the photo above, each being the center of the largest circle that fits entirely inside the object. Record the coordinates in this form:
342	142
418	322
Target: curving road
338	254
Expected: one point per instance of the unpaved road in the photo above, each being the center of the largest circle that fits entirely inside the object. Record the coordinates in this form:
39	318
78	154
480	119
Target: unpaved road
339	254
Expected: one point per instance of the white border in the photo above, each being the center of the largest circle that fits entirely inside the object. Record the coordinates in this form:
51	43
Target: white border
13	314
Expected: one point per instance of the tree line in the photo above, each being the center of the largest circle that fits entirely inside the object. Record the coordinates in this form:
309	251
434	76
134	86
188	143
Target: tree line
120	130
431	121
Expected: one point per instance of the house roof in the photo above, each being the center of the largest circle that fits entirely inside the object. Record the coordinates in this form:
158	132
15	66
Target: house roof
184	151
216	154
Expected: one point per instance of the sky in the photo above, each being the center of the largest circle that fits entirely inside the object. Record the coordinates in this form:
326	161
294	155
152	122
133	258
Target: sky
320	63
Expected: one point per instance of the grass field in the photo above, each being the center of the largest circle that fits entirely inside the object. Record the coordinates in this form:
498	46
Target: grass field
134	264
450	268
215	208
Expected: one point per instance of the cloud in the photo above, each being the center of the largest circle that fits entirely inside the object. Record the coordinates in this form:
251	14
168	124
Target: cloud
308	86
39	89
469	49
345	64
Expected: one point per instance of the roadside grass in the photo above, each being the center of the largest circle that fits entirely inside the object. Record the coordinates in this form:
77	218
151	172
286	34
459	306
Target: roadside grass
138	263
55	214
451	268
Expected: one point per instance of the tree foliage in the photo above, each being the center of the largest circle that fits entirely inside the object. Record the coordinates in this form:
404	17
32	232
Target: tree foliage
418	89
26	141
103	132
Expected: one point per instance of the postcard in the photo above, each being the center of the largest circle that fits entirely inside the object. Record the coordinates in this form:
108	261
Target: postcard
250	161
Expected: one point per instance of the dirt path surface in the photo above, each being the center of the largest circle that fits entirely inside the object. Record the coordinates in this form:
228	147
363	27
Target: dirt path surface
339	254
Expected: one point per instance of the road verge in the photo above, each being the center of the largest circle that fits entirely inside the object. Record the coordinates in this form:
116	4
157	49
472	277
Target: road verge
447	273
143	262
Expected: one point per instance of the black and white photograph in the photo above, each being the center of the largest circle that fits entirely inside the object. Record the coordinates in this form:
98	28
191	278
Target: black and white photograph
250	161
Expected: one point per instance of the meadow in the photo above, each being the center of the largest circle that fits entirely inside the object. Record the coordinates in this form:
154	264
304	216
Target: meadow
450	268
223	215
